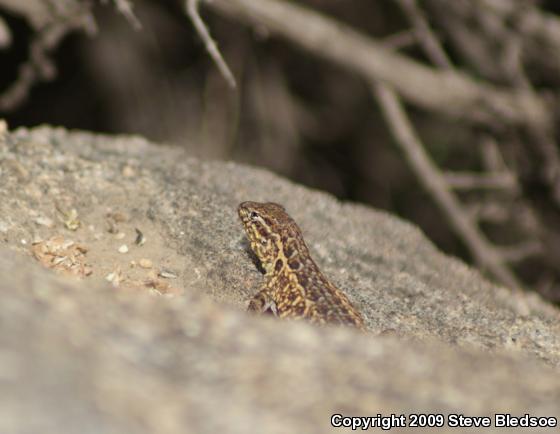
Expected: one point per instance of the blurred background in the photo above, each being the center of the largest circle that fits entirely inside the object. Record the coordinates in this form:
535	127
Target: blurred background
139	67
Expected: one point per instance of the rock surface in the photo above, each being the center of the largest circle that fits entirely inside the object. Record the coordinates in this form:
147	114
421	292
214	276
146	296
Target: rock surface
109	354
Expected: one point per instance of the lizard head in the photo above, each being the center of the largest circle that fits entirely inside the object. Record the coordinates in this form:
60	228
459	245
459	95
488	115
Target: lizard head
267	225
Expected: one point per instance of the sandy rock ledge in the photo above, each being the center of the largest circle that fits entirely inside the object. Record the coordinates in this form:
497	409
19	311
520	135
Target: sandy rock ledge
154	337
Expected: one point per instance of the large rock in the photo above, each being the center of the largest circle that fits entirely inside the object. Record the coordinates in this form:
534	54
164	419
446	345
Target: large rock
87	356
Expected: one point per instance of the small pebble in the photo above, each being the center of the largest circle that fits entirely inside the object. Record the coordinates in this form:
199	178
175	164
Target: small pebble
145	263
123	249
44	221
4	227
140	239
120	235
118	217
128	172
114	277
167	274
66	244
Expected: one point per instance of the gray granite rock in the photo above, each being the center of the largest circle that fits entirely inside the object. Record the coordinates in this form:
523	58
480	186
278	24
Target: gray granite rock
88	356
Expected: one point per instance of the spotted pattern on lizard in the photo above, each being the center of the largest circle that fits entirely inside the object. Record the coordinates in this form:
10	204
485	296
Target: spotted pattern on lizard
294	287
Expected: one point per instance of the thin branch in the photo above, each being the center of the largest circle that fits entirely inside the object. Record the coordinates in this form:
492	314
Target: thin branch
125	8
509	61
5	35
211	47
400	40
52	22
37	68
446	92
481	181
486	38
405	136
537	24
521	251
492	157
490	212
424	34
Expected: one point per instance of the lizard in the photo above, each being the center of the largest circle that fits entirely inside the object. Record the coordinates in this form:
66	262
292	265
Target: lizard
294	286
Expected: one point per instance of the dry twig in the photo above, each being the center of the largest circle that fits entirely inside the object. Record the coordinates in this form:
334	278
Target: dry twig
424	34
445	92
5	35
37	68
409	142
192	10
400	40
52	21
481	181
125	8
521	251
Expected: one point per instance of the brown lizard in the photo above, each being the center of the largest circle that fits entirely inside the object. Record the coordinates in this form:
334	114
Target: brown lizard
294	287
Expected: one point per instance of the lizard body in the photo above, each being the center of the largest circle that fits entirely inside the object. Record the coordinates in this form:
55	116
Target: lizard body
294	287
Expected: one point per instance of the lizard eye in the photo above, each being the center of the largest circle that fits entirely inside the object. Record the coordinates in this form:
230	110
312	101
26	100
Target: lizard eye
253	215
